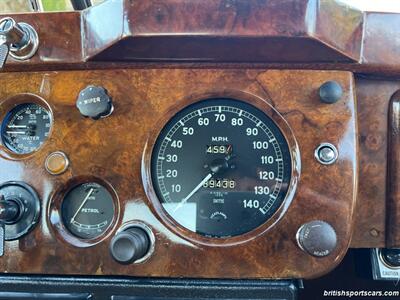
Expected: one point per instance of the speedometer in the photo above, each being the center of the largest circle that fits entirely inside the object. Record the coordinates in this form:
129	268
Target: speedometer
221	167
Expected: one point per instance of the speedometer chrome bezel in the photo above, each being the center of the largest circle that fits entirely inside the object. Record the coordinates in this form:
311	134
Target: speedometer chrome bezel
264	105
7	105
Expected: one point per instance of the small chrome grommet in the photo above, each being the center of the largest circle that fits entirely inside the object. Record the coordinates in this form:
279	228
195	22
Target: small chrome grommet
326	154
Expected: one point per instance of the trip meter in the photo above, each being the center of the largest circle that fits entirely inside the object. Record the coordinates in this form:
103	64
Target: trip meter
221	167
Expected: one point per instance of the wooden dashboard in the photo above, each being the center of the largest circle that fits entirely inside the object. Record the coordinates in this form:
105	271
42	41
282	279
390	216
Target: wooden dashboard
162	60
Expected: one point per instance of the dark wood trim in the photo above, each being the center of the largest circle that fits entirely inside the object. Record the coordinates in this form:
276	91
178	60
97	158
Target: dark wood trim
301	34
393	179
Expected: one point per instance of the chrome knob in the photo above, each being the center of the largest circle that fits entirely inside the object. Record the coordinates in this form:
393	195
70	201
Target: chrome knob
317	238
13	33
20	40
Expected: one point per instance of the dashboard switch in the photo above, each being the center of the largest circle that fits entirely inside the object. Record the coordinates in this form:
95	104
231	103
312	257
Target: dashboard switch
94	102
19	211
130	245
326	154
330	92
9	212
317	238
20	40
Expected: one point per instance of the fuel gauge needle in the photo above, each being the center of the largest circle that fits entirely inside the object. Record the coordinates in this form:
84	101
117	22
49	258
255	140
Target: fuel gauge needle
193	192
82	204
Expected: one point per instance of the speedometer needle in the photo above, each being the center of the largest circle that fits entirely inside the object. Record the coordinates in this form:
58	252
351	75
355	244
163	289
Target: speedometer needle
193	192
82	204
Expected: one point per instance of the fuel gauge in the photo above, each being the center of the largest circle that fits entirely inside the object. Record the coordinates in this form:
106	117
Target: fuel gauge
88	210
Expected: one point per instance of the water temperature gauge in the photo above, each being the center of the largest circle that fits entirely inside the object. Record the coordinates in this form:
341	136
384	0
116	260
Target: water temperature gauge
88	210
25	128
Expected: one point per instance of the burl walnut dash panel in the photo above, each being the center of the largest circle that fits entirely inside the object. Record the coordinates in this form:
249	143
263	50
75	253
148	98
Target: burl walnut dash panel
373	102
112	149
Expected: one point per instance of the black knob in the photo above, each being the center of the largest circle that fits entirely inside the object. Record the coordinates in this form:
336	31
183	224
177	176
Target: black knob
130	245
94	102
9	210
19	211
330	92
317	238
391	257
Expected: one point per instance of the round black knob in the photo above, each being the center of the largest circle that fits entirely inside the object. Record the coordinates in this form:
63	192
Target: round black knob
317	238
391	257
130	245
330	92
94	102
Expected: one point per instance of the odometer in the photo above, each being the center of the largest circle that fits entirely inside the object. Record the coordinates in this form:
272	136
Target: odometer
221	167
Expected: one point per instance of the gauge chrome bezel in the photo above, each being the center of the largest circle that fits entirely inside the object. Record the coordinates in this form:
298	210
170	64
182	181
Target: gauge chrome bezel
55	213
264	105
7	105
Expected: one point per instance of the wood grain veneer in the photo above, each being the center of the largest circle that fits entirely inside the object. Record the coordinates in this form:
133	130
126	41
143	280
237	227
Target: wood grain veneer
112	149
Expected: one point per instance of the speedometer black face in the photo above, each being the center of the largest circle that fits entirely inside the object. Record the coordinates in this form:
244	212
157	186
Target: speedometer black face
25	128
221	167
